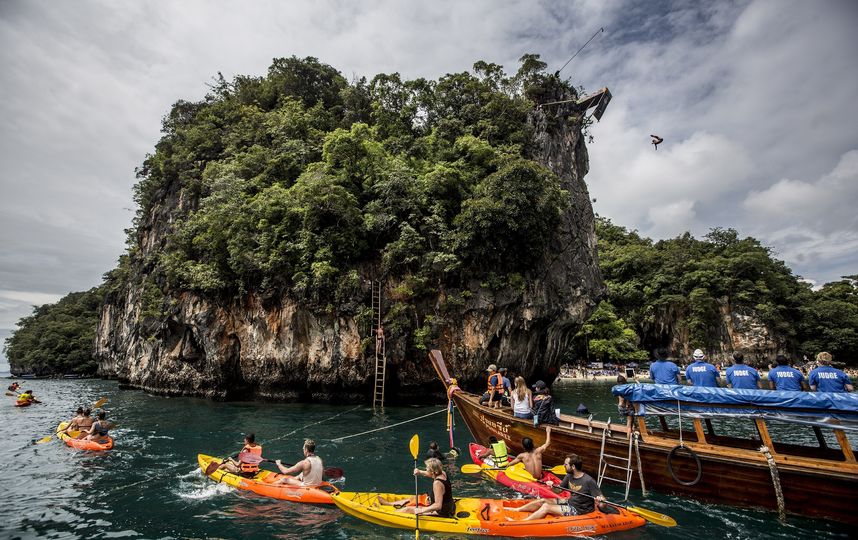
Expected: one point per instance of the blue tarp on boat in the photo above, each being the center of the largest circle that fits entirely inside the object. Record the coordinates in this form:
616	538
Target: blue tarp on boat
816	408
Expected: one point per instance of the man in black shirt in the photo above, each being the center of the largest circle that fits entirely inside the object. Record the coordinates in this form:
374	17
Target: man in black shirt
582	490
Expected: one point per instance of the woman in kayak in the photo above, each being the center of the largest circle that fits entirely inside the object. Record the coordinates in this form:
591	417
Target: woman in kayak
84	424
99	429
310	468
72	424
441	502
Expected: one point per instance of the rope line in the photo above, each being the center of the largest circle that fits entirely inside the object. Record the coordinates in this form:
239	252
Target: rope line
581	49
294	431
340	439
776	481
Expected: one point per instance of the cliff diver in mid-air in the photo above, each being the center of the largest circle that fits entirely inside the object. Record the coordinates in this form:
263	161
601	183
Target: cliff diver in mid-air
656	140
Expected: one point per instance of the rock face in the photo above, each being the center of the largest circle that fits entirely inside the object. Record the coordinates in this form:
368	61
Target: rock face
282	349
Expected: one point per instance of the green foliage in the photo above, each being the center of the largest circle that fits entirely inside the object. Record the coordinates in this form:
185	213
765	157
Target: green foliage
686	282
291	180
609	337
57	338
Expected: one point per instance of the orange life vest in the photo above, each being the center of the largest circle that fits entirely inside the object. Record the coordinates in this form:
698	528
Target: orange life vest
497	387
250	467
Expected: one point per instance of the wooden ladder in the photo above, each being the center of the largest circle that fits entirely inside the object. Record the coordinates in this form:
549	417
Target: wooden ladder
380	359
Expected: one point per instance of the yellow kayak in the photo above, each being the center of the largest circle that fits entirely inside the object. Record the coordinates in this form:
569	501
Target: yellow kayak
488	517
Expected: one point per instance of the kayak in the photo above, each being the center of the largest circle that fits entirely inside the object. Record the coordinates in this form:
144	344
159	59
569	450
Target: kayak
516	476
262	484
488	517
81	444
23	403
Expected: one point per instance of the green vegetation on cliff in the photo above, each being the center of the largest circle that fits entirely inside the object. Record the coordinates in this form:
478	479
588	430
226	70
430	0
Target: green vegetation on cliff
681	285
57	338
289	181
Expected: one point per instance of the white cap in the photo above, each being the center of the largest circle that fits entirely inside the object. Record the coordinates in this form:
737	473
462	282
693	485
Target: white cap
698	354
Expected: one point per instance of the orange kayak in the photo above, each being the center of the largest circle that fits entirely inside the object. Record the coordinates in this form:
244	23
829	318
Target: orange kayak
263	484
81	444
487	517
23	403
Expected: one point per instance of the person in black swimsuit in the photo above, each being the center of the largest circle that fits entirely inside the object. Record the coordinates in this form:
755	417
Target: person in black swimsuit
440	500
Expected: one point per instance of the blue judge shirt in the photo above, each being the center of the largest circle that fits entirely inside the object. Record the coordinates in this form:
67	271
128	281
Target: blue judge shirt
663	372
702	374
829	379
742	376
786	378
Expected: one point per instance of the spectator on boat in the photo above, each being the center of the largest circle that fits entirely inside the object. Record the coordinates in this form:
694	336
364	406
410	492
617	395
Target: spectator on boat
441	501
578	485
496	451
782	376
663	371
700	372
493	394
507	387
532	457
543	405
249	466
742	377
828	379
522	400
310	468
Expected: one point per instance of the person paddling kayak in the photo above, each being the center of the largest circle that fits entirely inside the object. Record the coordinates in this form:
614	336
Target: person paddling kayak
27	397
441	502
72	424
14	387
245	467
83	425
100	428
310	468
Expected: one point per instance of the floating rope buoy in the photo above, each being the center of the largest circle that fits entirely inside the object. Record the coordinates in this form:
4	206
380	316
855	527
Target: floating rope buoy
776	480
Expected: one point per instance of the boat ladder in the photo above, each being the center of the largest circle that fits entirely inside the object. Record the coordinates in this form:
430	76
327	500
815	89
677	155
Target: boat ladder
380	357
620	467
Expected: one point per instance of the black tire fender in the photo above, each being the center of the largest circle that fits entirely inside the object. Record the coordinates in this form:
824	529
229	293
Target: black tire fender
674	452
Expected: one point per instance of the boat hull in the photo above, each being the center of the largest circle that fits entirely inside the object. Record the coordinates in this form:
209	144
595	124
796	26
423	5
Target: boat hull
725	479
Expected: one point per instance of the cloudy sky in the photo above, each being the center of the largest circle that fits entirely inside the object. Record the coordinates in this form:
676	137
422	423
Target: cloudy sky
756	102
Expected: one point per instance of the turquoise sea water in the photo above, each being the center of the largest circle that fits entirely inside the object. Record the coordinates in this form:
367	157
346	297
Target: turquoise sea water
149	486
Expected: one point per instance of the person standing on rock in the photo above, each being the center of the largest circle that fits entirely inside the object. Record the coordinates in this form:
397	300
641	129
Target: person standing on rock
742	377
700	372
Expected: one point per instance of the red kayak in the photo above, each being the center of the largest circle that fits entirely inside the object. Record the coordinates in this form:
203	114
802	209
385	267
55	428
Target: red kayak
23	403
516	478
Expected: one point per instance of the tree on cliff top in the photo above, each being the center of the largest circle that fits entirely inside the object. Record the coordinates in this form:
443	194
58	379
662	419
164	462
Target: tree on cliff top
288	181
57	338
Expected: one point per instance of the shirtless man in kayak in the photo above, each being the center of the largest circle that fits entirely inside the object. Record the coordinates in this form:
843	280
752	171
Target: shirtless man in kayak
310	468
532	457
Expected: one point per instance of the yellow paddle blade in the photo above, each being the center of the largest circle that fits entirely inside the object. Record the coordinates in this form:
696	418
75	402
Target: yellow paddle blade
653	517
44	440
414	446
519	473
99	403
559	470
471	468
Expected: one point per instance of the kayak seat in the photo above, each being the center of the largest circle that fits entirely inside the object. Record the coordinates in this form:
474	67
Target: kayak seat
463	515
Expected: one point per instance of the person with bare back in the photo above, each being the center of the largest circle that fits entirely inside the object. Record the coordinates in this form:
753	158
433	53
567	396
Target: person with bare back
532	457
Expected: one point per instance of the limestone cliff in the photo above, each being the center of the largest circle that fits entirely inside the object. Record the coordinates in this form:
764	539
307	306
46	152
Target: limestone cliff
281	348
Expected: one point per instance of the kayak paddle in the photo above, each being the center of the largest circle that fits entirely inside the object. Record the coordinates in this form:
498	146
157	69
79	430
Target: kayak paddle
649	515
333	473
471	468
96	405
414	446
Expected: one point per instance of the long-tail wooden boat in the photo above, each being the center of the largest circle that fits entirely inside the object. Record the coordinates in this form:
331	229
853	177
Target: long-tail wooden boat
680	441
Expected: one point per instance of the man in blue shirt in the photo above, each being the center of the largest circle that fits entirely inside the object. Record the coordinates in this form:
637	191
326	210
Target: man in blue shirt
828	379
700	373
785	377
507	387
663	371
740	376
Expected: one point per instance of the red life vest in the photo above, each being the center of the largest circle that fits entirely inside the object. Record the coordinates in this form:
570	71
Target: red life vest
250	467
